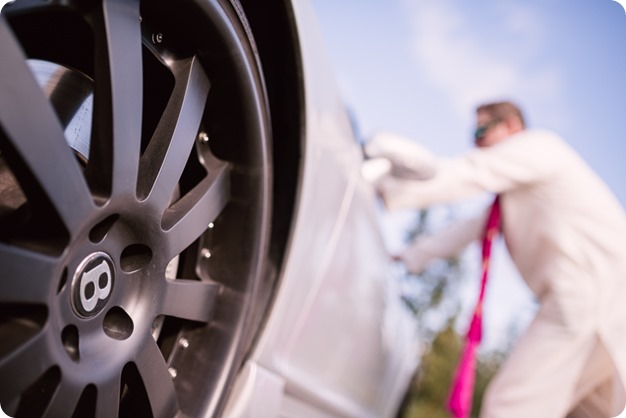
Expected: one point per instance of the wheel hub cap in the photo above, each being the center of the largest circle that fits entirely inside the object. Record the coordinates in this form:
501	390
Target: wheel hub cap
93	284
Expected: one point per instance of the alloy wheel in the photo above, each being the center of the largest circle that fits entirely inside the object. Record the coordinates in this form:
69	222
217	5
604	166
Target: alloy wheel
134	205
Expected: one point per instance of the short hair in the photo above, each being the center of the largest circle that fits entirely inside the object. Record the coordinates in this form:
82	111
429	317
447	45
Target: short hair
502	110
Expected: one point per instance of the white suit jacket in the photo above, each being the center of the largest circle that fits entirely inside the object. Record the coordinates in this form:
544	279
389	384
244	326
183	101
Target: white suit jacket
563	227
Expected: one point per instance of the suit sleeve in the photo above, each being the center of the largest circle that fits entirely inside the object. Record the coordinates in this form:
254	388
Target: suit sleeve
523	159
447	243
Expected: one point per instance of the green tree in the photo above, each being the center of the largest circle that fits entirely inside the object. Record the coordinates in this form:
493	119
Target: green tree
429	389
433	294
428	393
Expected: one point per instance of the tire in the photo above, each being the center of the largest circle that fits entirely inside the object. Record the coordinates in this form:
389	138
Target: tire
135	205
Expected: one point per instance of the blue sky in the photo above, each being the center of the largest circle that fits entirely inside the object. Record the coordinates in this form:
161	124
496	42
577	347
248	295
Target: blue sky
419	68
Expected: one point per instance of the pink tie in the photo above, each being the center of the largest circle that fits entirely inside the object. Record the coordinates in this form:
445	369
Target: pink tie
462	390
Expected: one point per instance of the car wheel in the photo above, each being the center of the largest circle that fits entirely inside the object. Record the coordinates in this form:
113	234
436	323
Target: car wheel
134	205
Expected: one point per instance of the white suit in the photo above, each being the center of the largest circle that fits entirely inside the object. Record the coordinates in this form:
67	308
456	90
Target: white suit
566	233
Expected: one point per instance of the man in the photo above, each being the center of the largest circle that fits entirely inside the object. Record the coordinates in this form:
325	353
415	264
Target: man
566	234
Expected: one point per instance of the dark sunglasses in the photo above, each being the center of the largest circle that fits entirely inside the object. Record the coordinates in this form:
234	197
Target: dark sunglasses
481	130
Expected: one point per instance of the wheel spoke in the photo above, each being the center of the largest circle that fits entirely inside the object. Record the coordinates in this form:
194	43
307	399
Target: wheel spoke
23	366
118	86
190	299
25	275
64	400
26	6
108	401
164	159
157	380
188	218
41	146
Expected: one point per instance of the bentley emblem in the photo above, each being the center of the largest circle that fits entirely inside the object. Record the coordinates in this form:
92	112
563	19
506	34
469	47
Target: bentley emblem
93	284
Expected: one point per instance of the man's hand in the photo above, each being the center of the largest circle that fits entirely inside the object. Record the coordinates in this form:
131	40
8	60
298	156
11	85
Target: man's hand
373	170
408	159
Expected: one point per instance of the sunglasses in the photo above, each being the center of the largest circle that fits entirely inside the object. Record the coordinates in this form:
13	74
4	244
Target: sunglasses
481	130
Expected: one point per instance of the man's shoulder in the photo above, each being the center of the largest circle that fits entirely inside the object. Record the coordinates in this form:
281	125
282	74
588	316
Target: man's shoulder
539	139
539	134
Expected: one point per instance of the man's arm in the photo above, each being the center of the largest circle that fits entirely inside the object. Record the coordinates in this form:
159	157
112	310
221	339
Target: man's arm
447	243
523	159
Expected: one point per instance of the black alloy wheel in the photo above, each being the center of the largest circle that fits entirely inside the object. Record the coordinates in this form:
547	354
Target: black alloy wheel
134	205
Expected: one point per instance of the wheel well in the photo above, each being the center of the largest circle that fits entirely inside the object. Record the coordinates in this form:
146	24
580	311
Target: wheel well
275	34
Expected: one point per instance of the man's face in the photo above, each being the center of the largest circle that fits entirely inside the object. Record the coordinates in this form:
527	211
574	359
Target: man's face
489	130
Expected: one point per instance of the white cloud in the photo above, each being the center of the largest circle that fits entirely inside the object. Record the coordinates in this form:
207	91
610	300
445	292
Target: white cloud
472	66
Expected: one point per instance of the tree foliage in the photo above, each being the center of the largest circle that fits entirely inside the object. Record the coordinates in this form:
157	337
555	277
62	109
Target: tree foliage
428	392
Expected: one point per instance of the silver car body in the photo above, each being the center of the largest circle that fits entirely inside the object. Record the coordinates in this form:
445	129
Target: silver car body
338	342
